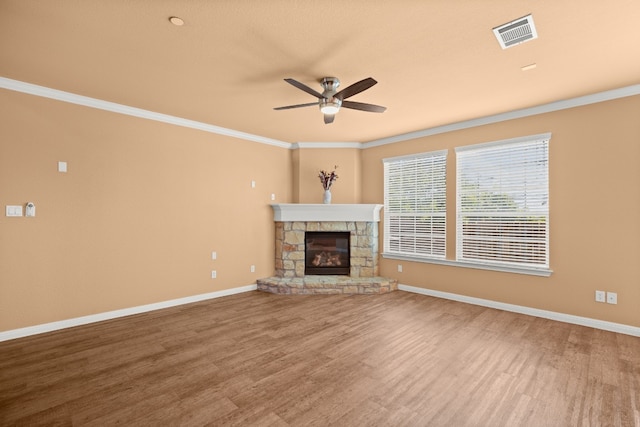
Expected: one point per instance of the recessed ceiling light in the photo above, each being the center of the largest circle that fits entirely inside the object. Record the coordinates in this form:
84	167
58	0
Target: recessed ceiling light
176	21
529	67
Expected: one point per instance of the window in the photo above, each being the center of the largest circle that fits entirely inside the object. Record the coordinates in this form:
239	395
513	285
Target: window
415	205
503	203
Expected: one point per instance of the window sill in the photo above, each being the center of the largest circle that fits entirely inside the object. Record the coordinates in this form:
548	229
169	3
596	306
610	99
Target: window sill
532	271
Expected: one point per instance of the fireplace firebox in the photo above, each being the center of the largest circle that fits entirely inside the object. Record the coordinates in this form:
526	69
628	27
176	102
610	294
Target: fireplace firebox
327	252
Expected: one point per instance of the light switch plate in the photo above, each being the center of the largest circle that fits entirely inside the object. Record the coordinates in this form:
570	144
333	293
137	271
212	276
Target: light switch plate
13	210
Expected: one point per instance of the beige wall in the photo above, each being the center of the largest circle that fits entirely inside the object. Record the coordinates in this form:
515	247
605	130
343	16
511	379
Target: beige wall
308	162
594	160
135	219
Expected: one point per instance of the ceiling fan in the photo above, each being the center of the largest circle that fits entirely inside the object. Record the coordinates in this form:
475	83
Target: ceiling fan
330	100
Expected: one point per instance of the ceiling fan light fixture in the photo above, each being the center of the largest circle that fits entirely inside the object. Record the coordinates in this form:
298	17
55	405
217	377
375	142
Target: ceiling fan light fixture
330	106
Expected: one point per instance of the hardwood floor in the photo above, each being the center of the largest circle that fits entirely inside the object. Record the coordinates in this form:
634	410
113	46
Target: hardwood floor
398	359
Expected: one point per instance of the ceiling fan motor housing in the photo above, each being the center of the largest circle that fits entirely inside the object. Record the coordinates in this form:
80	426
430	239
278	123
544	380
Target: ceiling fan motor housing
329	104
330	85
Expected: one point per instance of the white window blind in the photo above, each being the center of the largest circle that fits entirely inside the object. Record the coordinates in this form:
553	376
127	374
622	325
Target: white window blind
503	202
415	205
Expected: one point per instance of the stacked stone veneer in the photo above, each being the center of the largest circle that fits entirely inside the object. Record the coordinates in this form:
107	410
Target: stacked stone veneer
290	246
290	253
319	285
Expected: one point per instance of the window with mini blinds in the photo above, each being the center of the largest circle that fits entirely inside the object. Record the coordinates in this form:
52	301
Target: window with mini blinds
502	205
415	205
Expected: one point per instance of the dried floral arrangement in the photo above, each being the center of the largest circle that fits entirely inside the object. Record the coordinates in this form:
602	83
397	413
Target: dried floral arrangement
328	178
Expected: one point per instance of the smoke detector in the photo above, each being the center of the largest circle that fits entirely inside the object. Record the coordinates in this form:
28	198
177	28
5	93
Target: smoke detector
515	32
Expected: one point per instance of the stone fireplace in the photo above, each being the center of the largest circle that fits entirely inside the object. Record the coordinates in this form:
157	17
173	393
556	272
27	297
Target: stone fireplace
306	235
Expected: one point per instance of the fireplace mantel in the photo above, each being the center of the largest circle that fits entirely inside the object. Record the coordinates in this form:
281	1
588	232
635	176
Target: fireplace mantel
290	212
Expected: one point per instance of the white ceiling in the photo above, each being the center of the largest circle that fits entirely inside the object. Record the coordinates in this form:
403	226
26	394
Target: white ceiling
436	61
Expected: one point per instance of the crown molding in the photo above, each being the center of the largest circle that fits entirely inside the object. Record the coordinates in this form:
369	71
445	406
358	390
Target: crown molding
515	114
86	101
113	107
299	145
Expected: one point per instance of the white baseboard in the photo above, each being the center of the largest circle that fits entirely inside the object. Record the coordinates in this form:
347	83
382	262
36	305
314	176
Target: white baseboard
561	317
69	323
552	315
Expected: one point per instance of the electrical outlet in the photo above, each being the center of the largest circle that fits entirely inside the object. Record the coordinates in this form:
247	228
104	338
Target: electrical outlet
612	298
214	255
253	268
273	196
399	268
214	274
600	296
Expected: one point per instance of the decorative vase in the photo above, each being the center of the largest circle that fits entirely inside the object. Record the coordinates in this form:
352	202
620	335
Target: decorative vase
327	197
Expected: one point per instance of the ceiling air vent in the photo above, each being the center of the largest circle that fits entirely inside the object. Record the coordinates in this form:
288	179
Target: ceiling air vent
516	32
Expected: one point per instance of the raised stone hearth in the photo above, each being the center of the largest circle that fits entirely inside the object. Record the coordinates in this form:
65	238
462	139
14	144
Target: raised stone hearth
292	221
327	285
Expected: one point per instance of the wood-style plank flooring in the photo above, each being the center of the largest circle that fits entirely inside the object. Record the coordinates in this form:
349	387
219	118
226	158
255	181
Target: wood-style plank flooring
257	359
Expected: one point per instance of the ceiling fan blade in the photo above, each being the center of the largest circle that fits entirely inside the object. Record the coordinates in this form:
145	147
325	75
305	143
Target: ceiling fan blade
355	88
328	118
304	88
364	107
288	107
